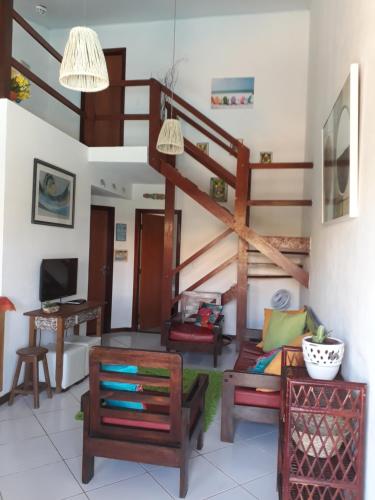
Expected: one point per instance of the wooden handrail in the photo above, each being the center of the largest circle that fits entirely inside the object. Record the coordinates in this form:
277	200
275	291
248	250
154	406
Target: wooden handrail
276	166
37	37
197	126
279	203
44	86
210	163
194	111
131	83
208	276
201	251
120	117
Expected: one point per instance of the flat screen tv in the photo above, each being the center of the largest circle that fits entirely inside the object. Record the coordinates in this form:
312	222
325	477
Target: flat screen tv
58	278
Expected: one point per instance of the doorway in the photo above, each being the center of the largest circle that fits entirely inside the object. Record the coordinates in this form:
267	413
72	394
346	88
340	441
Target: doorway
148	267
102	224
111	101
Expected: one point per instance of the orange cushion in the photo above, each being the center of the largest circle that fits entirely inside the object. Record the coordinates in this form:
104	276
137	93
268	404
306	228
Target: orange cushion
155	426
187	332
250	397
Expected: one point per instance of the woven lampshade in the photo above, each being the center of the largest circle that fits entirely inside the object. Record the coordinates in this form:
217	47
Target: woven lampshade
170	140
83	67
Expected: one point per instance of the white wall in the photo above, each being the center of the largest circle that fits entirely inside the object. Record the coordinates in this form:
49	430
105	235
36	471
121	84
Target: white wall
274	49
23	138
198	227
342	258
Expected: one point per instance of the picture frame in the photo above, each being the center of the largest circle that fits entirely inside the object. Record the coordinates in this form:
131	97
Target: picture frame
121	231
218	190
234	93
265	157
121	255
53	197
340	154
204	146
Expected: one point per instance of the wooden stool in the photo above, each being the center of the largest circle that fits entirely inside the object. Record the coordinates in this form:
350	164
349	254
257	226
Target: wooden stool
31	356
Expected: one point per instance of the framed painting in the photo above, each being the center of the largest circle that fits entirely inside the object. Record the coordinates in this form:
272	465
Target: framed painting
340	154
232	92
53	195
120	232
218	190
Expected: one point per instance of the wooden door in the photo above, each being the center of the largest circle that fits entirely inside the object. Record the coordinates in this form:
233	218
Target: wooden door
151	268
101	262
107	102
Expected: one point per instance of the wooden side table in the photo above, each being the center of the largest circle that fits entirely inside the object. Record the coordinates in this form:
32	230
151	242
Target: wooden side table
69	316
322	445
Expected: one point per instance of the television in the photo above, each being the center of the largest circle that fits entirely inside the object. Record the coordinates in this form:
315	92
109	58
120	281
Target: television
58	278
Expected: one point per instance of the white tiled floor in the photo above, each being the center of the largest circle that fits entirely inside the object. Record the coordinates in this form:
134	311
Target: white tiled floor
40	452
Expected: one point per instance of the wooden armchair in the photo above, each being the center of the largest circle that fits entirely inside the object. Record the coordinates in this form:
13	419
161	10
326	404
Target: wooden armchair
162	433
182	335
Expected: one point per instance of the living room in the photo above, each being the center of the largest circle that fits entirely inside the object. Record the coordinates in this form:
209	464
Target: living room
288	42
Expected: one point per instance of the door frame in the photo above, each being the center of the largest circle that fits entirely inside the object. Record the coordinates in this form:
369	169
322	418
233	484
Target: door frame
110	252
114	51
137	256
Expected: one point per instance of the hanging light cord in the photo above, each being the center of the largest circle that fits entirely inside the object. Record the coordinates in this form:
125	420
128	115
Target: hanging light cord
173	54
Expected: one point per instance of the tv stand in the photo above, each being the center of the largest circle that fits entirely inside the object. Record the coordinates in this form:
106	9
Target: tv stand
68	316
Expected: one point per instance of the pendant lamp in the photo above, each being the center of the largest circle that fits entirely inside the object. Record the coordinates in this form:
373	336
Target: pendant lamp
171	140
83	67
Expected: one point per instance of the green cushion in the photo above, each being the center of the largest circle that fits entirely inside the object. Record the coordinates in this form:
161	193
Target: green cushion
283	328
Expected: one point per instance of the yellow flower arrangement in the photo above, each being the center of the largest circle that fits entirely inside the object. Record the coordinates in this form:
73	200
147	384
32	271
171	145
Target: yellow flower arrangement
19	86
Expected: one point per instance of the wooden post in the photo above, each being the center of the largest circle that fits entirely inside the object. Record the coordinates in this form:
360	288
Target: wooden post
6	28
155	159
241	218
155	123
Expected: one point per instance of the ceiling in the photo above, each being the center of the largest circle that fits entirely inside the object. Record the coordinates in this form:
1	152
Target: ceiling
68	13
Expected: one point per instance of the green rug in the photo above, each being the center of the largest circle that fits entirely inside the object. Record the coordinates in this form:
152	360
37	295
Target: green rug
213	393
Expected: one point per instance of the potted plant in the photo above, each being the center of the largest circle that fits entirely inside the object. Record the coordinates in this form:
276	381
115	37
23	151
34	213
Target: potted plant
322	354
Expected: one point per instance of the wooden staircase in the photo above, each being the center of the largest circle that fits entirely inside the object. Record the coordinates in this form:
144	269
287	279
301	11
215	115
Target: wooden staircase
274	248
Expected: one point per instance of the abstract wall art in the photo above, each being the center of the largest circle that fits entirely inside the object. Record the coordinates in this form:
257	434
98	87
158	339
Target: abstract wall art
53	195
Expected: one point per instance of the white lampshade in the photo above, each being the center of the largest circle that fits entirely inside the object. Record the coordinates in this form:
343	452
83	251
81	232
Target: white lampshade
170	140
83	67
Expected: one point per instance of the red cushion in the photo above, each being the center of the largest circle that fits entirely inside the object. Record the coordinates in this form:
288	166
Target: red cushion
155	426
252	397
188	332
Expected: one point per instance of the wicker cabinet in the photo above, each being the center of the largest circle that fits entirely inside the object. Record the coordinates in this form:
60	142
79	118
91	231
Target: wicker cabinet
321	455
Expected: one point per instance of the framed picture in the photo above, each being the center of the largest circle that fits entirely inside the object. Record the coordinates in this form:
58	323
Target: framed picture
204	146
265	157
340	154
120	232
121	255
53	195
232	92
218	189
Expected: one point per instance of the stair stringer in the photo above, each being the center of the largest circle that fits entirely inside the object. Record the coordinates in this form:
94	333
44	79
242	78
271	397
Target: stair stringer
243	231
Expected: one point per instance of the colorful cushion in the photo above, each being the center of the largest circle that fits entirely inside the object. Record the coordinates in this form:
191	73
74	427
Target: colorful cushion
121	386
208	314
264	361
274	367
283	328
266	321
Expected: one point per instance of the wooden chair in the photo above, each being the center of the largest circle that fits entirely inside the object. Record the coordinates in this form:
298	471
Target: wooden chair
163	433
182	335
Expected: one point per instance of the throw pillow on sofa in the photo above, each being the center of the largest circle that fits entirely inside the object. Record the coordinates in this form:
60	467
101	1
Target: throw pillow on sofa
266	321
283	328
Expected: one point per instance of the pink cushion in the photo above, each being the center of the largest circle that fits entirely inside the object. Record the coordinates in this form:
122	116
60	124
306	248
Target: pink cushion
155	426
188	332
252	397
